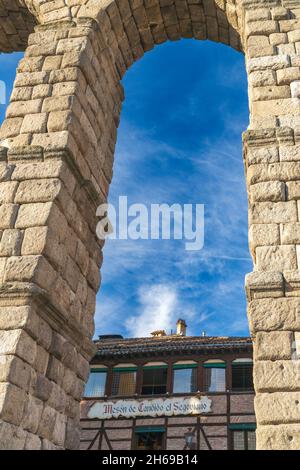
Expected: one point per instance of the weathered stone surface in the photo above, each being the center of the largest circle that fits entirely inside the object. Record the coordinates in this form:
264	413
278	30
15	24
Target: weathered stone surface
12	318
30	171
268	63
57	345
12	400
43	387
56	162
293	189
34	240
7	191
264	235
277	375
8	213
41	360
33	442
295	89
29	268
274	345
271	191
296	345
15	371
34	123
38	191
279	437
32	414
274	314
55	370
83	368
69	356
290	233
290	153
288	75
286	171
11	437
31	215
279	407
72	435
262	155
260	284
69	381
268	108
47	445
279	212
10	244
271	92
59	432
18	342
276	258
47	423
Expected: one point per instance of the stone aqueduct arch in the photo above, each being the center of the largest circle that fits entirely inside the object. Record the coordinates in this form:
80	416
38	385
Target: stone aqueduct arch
56	161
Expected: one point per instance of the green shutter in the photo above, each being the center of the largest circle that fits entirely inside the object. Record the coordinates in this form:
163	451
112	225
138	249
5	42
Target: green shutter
97	369
239	364
154	367
242	427
144	429
215	365
124	369
184	366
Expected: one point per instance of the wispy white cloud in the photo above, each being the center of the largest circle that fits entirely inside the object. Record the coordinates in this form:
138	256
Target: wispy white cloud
158	308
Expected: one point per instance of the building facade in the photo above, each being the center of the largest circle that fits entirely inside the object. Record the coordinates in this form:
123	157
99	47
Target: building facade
172	392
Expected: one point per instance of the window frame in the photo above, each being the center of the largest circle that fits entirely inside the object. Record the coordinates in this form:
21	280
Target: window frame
184	366
244	428
240	362
214	364
120	370
97	370
155	367
149	429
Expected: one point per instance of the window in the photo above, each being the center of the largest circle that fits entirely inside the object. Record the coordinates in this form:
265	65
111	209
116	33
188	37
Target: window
185	377
95	386
214	376
243	436
124	380
242	375
155	379
149	438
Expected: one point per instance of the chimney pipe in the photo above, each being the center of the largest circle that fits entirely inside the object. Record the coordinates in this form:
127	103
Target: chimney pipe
181	327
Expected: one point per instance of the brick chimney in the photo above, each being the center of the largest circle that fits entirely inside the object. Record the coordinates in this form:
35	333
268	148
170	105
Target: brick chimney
181	327
158	333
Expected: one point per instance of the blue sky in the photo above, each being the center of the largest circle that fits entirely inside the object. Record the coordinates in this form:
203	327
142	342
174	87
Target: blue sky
179	141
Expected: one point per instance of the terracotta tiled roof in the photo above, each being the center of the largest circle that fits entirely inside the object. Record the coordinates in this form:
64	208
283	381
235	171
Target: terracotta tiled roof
173	344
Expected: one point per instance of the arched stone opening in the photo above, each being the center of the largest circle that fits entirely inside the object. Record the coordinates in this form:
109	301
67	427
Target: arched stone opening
179	140
56	166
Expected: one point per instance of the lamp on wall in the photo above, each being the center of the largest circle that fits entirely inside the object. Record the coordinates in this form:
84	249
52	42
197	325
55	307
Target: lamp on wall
189	436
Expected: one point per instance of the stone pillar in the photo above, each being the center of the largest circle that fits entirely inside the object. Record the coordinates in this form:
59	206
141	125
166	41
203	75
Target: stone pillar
55	169
272	162
56	157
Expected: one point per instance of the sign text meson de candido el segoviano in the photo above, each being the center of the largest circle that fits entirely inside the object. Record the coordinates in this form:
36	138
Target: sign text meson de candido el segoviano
156	407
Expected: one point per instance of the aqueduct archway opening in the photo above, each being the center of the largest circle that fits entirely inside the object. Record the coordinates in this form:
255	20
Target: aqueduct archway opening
179	142
57	152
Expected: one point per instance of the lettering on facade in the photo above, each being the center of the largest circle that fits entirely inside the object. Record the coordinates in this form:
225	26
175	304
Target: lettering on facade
156	407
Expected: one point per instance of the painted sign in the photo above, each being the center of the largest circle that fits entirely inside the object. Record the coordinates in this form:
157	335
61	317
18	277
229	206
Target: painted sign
155	407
